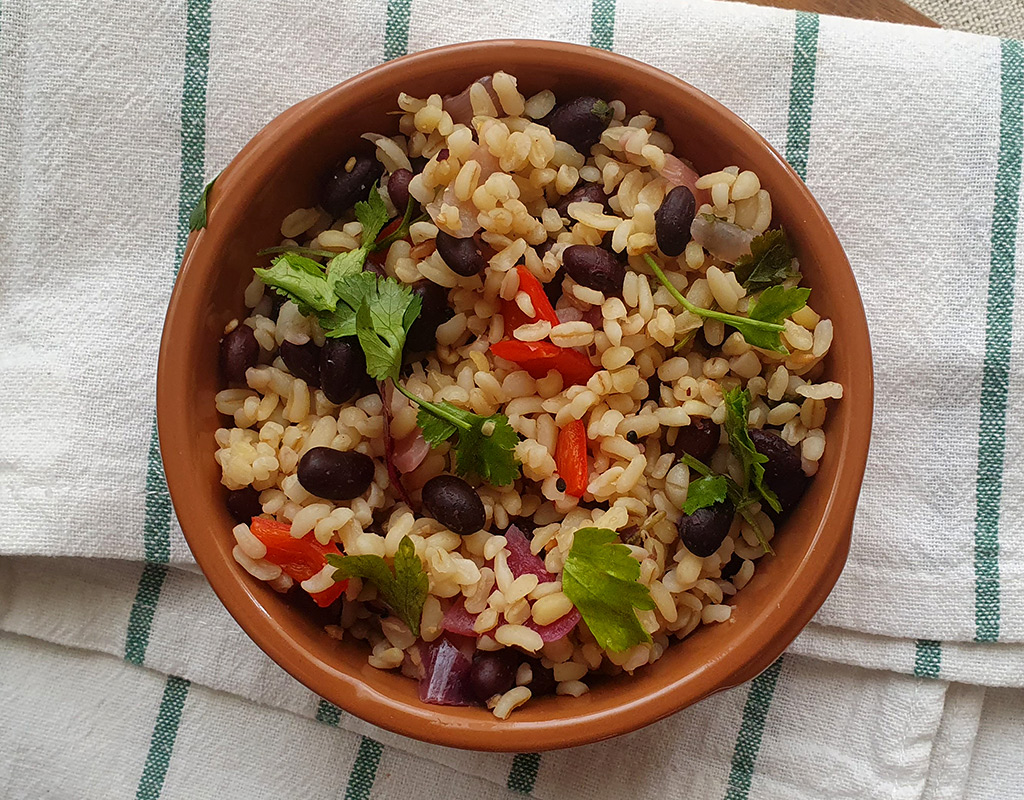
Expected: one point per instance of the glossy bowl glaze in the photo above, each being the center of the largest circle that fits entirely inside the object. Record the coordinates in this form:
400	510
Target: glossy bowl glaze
277	172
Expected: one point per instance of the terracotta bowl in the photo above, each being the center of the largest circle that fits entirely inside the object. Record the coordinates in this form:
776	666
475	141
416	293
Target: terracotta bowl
277	172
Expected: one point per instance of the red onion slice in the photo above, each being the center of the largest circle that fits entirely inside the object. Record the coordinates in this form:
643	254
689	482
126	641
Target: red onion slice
445	680
520	560
679	173
558	629
459	621
724	240
410	451
460	107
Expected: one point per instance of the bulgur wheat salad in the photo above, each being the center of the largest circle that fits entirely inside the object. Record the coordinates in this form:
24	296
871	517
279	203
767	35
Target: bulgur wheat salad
524	397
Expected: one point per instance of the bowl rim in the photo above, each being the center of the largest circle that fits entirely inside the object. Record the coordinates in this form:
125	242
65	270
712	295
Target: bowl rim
764	642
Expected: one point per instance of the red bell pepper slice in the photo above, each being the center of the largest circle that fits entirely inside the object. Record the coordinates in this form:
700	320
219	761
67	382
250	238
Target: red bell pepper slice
300	559
534	289
571	457
538	358
378	257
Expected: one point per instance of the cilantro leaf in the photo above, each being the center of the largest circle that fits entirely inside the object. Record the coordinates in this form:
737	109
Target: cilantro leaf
770	262
600	578
492	455
382	322
705	492
758	332
436	430
485	445
343	266
197	219
774	305
405	591
739	498
373	215
301	280
736	404
351	290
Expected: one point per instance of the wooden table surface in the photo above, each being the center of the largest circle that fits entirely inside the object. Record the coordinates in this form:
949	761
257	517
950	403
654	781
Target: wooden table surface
882	10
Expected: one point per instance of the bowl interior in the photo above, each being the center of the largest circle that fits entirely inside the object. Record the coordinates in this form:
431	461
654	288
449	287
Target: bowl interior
278	172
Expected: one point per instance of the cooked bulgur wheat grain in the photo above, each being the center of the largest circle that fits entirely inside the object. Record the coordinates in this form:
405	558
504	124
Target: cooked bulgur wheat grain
494	168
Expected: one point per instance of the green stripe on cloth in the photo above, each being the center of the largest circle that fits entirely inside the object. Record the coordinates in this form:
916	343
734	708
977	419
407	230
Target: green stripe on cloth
999	322
396	32
140	620
328	714
801	92
523	774
602	24
156	530
927	658
364	770
161	744
748	742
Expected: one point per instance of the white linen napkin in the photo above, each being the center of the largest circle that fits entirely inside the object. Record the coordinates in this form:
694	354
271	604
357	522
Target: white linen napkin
112	120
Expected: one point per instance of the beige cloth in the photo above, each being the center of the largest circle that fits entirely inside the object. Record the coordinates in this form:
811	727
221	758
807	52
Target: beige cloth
991	17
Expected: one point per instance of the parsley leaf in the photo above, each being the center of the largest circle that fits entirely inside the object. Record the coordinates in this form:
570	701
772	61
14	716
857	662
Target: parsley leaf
736	404
485	445
770	262
301	280
705	492
600	578
405	591
382	322
197	219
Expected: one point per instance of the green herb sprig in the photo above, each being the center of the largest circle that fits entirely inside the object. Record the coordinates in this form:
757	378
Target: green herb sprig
763	323
380	311
600	577
484	446
404	590
771	261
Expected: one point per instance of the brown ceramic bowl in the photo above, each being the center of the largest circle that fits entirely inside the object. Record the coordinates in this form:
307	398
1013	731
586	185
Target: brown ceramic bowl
276	173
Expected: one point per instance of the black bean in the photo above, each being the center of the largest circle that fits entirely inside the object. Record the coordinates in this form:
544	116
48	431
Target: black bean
422	335
244	504
462	256
342	369
302	360
594	267
398	189
553	288
561	485
343	188
782	472
653	389
455	504
705	529
335	474
587	193
376	267
579	122
731	568
239	350
543	680
698	439
673	220
491	674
